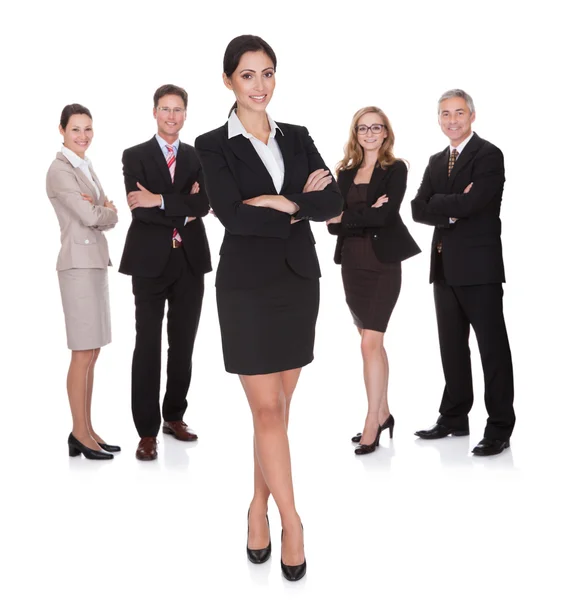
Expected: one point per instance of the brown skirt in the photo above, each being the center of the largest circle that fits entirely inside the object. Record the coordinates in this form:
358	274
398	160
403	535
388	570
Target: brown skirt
372	295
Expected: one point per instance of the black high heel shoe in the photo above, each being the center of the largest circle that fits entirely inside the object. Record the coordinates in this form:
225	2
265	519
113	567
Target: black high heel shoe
263	554
76	448
387	424
293	572
110	447
368	448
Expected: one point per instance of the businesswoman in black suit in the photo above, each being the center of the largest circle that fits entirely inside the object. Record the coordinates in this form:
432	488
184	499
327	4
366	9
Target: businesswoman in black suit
265	181
372	243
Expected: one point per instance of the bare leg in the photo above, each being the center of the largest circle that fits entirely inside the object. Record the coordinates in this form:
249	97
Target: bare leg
259	535
384	411
90	382
267	401
375	379
77	390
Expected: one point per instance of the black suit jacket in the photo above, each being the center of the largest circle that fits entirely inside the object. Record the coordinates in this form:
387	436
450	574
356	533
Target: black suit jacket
472	249
391	240
258	241
148	242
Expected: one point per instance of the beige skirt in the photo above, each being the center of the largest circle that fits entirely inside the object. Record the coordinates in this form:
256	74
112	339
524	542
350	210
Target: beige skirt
86	305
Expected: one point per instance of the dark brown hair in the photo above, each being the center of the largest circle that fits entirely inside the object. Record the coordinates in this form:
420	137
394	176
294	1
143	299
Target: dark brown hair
238	47
70	110
170	90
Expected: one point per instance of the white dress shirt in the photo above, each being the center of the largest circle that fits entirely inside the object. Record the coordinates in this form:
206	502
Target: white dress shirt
83	163
270	153
461	146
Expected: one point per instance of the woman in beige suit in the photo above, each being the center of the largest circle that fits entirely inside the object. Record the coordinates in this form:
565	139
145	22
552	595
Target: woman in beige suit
84	213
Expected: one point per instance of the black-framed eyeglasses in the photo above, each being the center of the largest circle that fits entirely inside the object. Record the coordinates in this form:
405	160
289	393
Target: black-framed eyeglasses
375	128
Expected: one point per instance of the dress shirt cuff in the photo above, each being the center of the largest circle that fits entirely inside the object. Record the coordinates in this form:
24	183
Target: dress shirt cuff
162	203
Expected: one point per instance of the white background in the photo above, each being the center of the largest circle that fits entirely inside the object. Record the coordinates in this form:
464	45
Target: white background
415	519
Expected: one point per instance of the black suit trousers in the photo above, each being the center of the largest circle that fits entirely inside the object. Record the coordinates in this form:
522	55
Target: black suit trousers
183	291
480	306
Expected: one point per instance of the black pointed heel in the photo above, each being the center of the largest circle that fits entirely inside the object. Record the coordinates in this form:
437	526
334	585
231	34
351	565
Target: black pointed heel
261	555
293	572
110	447
76	448
388	424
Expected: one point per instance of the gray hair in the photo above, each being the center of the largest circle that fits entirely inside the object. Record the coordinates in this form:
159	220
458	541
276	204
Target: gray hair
456	93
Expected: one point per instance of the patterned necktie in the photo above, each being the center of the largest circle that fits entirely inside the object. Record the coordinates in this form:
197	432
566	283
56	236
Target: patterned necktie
170	158
452	159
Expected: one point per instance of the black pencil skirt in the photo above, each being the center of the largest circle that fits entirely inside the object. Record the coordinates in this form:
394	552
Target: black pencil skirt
271	328
372	295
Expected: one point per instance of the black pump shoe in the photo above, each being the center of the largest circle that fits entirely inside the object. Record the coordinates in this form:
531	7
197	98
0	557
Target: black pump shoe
387	424
293	572
110	447
76	448
261	555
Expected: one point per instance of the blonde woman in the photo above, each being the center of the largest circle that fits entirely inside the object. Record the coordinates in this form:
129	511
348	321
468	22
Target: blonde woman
371	245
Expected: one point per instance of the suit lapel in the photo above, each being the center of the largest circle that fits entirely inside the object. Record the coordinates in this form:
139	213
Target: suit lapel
86	181
466	156
287	147
345	180
182	168
371	193
101	191
243	149
159	158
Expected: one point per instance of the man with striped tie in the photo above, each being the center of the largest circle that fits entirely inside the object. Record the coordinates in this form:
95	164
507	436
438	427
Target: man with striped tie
460	196
167	254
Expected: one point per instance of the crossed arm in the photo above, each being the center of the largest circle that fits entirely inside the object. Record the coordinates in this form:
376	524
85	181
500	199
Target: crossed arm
266	215
178	209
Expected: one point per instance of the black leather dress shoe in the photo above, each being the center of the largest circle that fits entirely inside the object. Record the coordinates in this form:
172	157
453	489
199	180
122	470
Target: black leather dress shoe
440	431
110	447
488	447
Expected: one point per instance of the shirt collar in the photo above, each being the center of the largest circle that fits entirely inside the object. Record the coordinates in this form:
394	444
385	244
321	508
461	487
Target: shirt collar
74	159
235	127
462	145
162	143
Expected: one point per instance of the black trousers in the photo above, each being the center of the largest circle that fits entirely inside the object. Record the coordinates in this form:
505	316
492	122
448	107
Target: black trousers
480	306
183	291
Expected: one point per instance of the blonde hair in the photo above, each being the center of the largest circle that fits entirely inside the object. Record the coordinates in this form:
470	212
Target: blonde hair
354	153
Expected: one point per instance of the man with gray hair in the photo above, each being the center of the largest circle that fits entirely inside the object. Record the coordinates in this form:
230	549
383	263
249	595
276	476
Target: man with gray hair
460	196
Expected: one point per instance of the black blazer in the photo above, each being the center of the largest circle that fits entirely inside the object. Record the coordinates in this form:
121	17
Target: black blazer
472	249
148	242
391	239
258	241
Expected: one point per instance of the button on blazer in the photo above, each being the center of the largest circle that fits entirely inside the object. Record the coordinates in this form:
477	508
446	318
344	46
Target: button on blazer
83	244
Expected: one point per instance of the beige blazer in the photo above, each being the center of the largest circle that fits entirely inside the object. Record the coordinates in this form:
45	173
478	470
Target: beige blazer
83	244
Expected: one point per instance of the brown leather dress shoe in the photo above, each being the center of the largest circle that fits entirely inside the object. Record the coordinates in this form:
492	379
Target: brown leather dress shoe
179	430
147	449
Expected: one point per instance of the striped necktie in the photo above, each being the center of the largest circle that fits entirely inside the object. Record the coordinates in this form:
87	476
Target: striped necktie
170	158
